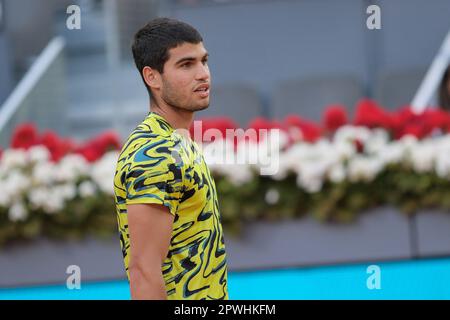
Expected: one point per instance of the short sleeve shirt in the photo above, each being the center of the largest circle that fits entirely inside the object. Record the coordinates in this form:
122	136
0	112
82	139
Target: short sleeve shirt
159	166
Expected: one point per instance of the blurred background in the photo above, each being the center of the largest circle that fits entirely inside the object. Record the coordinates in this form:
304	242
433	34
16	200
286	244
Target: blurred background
261	52
268	58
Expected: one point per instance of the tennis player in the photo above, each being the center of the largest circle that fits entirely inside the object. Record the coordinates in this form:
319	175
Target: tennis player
166	200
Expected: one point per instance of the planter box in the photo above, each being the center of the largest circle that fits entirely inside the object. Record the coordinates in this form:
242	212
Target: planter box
45	262
379	234
432	233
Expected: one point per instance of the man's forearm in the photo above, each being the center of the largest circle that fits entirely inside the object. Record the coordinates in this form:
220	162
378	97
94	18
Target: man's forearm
147	285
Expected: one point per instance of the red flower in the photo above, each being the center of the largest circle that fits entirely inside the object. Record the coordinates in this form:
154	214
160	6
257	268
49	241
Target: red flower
95	148
54	144
276	124
370	114
418	124
260	123
310	131
24	136
107	141
359	145
255	129
446	127
397	124
439	119
334	117
68	145
413	129
208	123
261	126
224	123
89	151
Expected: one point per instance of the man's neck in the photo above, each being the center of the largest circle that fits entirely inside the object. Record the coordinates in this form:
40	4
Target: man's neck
177	118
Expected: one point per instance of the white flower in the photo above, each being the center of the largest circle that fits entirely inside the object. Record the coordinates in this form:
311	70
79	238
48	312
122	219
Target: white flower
408	142
68	191
377	141
350	133
442	164
3	171
337	173
16	183
86	189
218	153
54	202
276	140
423	156
363	168
294	154
237	174
272	196
283	167
17	212
5	196
311	174
13	158
103	172
344	149
38	153
71	167
250	152
38	197
265	155
43	173
310	185
391	153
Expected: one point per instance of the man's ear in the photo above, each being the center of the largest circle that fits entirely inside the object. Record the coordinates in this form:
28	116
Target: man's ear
151	77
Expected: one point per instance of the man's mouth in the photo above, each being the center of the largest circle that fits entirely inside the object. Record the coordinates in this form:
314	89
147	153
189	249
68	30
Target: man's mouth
203	90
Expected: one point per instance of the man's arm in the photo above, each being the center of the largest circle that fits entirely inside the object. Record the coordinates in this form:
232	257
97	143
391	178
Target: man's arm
150	228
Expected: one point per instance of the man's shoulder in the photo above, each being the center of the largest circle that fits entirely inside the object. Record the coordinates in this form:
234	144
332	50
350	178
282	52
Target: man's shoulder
142	137
152	145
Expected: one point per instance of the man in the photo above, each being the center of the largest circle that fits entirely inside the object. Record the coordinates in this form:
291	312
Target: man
166	202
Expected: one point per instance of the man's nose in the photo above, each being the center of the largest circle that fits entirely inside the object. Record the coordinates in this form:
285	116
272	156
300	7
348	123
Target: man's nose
203	72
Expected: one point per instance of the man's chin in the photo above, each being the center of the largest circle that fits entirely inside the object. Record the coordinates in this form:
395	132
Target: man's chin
192	108
200	108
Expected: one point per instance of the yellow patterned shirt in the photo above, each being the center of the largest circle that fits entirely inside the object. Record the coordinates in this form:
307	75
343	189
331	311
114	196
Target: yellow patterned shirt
158	165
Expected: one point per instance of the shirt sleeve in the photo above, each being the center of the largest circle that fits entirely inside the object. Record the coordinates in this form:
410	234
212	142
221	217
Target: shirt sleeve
155	176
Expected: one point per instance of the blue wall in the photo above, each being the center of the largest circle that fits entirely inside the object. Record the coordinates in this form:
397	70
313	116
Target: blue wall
6	68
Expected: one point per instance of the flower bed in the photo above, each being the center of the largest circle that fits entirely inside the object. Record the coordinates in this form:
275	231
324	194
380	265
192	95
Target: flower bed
55	187
340	168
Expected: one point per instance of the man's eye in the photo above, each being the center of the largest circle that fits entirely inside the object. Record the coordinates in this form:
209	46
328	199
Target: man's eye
205	61
185	65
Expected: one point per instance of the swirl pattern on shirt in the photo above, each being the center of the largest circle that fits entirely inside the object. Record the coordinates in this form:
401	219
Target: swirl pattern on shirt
157	165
